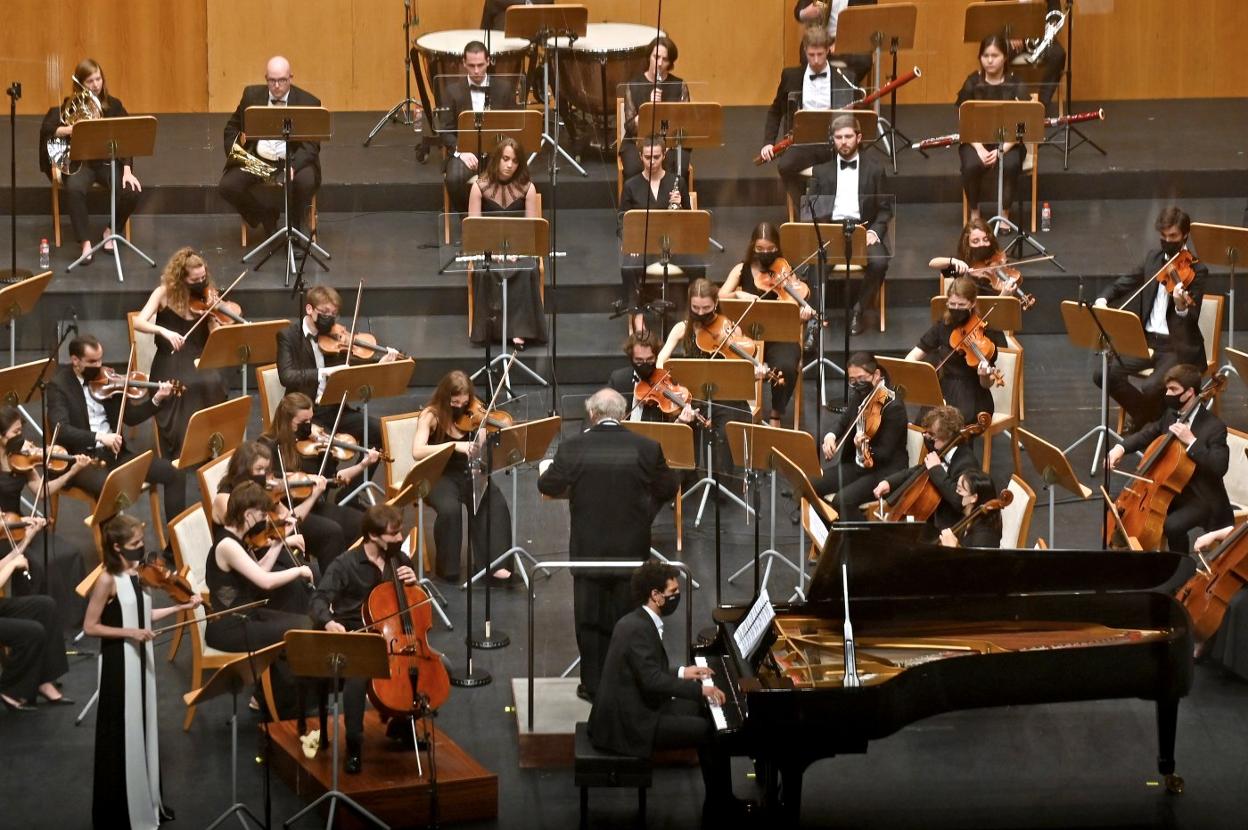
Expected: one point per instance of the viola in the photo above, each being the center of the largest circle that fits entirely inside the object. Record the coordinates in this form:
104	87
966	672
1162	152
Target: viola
110	384
156	574
995	273
723	337
1208	593
670	397
981	512
976	347
418	681
918	497
476	415
342	446
364	345
1162	474
224	313
782	282
59	459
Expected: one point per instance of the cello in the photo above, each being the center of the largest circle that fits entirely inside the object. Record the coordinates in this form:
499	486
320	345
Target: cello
1208	593
1161	475
918	498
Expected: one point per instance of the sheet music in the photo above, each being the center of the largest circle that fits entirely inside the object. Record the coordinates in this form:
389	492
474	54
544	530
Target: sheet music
755	626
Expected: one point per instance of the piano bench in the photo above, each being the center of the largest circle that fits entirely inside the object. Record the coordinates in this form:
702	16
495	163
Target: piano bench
595	768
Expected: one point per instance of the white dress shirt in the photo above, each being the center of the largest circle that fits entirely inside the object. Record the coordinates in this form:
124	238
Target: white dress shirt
846	205
478	95
835	7
1157	323
817	92
273	149
97	418
319	356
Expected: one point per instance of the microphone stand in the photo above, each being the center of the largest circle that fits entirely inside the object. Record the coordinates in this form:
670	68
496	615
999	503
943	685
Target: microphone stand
13	273
1107	351
847	232
38	388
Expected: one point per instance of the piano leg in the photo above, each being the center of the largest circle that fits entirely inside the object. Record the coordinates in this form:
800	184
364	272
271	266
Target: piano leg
1167	727
791	793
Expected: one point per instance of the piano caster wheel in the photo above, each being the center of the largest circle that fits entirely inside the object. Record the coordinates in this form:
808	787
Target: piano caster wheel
1174	784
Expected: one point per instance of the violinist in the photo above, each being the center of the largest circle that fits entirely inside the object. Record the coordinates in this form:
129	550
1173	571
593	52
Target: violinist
641	348
852	186
975	488
752	277
1203	502
238	574
437	426
253	461
977	247
90	426
1171	321
964	386
30	628
341	595
870	401
945	464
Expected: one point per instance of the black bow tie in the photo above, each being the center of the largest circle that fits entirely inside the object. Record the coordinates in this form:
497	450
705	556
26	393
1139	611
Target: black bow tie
823	74
477	87
849	165
276	102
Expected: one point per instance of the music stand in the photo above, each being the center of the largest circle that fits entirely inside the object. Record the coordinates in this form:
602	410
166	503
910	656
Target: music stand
1239	362
752	446
110	139
811	126
996	122
504	236
1018	20
21	384
214	431
688	125
677	442
647	233
230	679
1222	245
337	656
564	22
1054	467
802	490
362	384
1007	312
20	298
865	29
288	124
415	489
492	126
239	345
1103	330
774	321
915	380
120	490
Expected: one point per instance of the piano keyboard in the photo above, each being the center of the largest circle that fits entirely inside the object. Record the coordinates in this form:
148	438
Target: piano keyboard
727	717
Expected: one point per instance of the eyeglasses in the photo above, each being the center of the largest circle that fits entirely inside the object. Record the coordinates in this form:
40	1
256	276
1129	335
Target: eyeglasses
284	80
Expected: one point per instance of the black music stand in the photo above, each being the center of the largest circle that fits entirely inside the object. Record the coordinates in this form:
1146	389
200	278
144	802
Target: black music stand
1066	129
401	113
362	384
1054	467
288	124
865	29
662	233
564	22
336	656
13	273
110	139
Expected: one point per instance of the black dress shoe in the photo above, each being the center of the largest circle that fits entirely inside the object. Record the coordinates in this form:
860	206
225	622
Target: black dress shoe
583	693
354	764
17	707
856	324
60	701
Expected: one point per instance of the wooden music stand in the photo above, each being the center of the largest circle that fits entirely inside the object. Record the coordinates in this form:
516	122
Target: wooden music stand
1054	467
525	126
915	380
1222	245
998	122
361	384
664	233
120	490
23	383
804	494
1007	312
1126	335
1018	20
336	656
677	441
776	321
751	446
234	677
811	126
504	236
872	29
287	124
1237	359
537	24
20	298
112	139
214	431
239	345
690	124
414	490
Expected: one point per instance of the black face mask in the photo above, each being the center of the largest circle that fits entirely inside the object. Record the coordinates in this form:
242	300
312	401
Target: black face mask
134	554
980	252
304	431
325	323
457	412
929	443
13	445
90	373
959	316
1171	248
862	387
644	370
261	479
198	290
703	319
670	604
1174	402
256	527
393	550
765	261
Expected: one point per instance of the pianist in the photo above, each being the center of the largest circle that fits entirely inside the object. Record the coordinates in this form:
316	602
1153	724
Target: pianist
644	703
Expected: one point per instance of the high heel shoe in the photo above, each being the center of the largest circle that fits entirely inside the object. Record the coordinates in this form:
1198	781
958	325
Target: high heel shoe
60	701
17	707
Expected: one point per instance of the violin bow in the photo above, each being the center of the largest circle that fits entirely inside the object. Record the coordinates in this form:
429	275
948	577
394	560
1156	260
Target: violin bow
355	318
428	599
736	326
220	298
8	534
1150	279
121	410
1029	261
165	629
502	384
44	479
329	445
281	469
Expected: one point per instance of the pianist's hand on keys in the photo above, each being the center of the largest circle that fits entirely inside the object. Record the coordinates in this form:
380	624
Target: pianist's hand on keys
714	697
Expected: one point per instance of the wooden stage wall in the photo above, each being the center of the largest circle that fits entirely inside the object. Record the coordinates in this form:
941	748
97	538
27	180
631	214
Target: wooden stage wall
195	55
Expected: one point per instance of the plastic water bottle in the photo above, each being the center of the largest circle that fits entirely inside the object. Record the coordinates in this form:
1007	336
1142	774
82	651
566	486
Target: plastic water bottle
1046	217
45	255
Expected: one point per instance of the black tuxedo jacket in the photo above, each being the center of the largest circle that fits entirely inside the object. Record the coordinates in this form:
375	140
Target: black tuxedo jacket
945	481
875	204
780	113
888	448
300	153
615	481
624	381
500	94
68	408
1209	452
1185	338
296	364
637	192
637	680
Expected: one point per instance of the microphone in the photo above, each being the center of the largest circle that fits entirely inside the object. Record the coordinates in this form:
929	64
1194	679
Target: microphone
74	325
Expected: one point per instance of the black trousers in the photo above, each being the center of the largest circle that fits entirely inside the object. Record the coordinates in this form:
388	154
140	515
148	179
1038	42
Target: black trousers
31	628
685	723
262	627
453	491
326	538
598	602
247	194
979	182
1143	403
1052	62
794	161
457	179
161	472
785	358
77	185
1186	514
856	486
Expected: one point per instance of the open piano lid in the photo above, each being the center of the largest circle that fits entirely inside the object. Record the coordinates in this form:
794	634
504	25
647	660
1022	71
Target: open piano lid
886	559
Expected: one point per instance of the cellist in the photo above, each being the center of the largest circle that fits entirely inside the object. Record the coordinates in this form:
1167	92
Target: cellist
851	482
340	596
941	425
1203	502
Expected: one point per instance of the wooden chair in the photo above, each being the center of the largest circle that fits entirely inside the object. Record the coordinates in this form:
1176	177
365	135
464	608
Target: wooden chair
1236	478
271	392
541	271
56	206
1005	417
398	434
209	475
914	444
1016	518
312	221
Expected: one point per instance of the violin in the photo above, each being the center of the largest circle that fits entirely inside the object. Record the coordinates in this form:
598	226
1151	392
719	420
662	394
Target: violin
475	416
14	527
300	486
723	337
972	341
418	680
364	345
1208	593
110	384
671	398
1162	474
782	282
156	574
995	273
342	446
59	459
866	424
918	497
1177	271
982	511
224	313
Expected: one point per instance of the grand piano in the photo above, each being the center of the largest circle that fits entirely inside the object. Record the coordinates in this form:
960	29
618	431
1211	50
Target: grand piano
939	629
